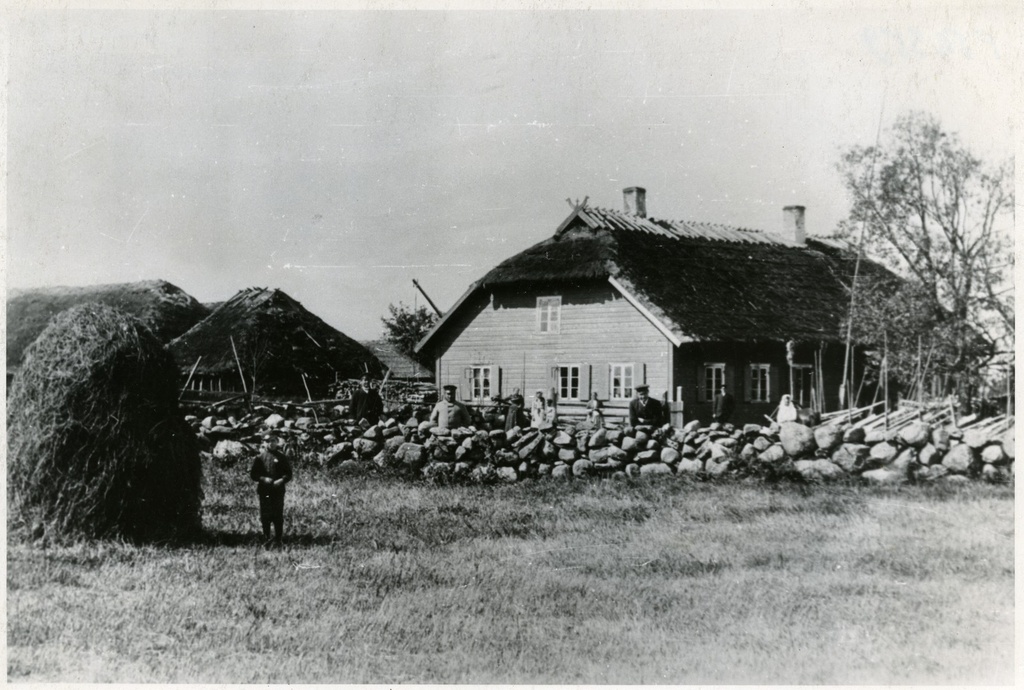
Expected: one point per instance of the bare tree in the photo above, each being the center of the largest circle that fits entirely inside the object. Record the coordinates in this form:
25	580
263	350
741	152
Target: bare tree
940	217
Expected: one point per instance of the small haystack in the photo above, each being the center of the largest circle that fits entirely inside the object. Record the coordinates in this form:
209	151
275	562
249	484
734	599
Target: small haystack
96	444
279	346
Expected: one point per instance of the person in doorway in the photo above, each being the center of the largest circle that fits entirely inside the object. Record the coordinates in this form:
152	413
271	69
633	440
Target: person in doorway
645	410
271	470
449	413
538	410
366	402
724	405
788	410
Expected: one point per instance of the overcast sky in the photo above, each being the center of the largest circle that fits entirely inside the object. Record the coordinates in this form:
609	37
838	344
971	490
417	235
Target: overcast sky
338	155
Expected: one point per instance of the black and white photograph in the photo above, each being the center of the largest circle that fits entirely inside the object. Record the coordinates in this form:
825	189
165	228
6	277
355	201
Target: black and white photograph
511	343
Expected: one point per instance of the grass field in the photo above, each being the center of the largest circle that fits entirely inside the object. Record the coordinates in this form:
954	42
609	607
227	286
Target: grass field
587	582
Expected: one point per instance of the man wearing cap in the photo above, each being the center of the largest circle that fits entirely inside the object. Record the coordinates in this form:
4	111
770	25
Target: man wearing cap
644	410
366	402
271	470
448	413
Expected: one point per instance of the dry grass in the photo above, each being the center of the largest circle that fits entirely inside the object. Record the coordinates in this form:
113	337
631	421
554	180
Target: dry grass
588	582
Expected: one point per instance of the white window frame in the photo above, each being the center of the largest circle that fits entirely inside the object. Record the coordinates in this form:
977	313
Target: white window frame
627	373
717	377
564	378
481	381
549	314
758	373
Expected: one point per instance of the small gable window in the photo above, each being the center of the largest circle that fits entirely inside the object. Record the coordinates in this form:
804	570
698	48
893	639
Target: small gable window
549	314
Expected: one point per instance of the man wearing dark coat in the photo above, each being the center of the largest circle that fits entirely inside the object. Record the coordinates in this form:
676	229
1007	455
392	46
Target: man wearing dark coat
271	470
724	404
366	402
644	410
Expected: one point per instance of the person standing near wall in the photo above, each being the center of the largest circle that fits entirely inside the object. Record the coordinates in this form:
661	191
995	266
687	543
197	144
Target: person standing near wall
449	413
724	405
645	410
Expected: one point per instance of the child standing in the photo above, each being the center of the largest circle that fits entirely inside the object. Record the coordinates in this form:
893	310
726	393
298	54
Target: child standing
271	470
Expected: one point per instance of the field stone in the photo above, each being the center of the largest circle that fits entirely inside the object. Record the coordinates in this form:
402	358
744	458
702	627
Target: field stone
394	443
599	439
993	454
274	421
391	432
507	474
653	444
230	451
632	470
976	438
568	455
916	434
597	454
689	466
854	434
748	452
773	454
304	422
210	422
351	467
955	479
797	439
582	467
655	468
690	426
959	459
751	429
852	457
995	473
883	452
873	436
932	472
1007	441
940	439
728	442
561	471
818	470
761	444
527	449
669	456
929	455
884	475
614	435
548	450
544	469
828	436
716	469
645	457
563	440
629	444
412	455
904	460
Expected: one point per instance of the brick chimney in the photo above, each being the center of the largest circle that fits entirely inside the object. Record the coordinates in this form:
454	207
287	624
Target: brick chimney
793	224
634	201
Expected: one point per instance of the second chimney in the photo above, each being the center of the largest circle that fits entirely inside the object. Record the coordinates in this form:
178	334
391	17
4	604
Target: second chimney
634	201
793	224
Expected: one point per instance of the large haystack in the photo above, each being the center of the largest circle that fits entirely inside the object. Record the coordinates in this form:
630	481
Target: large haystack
96	444
167	310
282	348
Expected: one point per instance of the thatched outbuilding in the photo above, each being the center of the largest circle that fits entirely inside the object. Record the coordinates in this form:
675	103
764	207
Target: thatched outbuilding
167	310
402	368
615	299
281	348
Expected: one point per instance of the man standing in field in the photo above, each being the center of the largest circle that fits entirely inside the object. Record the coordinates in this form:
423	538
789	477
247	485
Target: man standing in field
644	410
449	413
271	470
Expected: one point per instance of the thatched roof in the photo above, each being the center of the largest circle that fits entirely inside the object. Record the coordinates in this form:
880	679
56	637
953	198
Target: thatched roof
401	367
167	310
700	281
277	337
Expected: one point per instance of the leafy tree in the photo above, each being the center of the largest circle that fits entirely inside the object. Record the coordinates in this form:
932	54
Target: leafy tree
935	214
405	327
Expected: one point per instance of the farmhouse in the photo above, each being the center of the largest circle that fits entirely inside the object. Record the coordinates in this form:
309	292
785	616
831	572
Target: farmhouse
167	310
614	299
279	347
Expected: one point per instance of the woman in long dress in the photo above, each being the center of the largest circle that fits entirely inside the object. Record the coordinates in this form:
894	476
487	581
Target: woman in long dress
538	410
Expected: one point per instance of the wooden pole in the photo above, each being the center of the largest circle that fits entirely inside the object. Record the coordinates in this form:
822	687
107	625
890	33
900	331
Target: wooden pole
189	379
426	297
309	398
885	368
239	363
